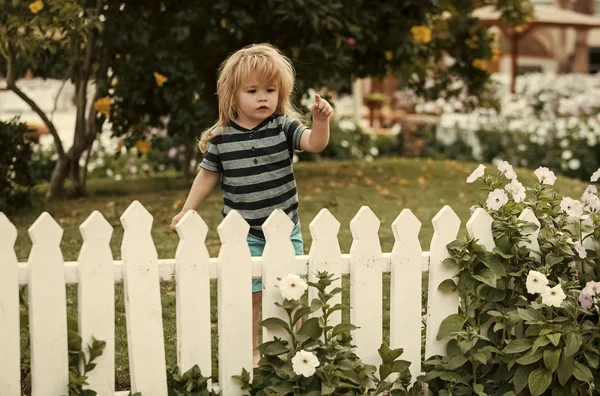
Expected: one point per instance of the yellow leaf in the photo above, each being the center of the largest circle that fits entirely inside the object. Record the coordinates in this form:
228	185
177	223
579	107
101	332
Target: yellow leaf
421	181
384	191
102	106
317	190
421	34
389	55
223	23
177	204
368	181
308	198
36	6
479	64
160	79
143	146
403	181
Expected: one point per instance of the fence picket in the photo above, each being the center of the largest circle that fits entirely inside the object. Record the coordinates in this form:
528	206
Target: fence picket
47	310
235	303
406	290
440	304
143	304
278	258
96	300
532	243
325	255
366	287
10	364
192	280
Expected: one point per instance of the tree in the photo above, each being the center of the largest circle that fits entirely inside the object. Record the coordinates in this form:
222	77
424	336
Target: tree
329	42
65	31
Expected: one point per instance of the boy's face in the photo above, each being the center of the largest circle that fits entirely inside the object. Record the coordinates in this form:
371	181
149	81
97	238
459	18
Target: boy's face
256	100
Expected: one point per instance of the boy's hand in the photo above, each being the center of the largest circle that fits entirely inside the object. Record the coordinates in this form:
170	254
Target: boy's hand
175	220
321	110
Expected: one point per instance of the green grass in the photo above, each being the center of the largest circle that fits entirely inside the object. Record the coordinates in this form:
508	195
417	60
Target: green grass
386	186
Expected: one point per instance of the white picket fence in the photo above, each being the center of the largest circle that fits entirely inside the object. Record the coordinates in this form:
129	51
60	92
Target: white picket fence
95	272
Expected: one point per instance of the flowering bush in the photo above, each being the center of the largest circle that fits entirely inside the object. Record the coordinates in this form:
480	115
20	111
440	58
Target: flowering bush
319	358
551	121
528	320
148	154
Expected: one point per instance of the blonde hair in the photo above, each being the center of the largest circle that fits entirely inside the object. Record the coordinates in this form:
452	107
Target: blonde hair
270	64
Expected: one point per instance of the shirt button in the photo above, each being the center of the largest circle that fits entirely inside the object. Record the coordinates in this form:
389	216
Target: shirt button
255	161
251	135
253	148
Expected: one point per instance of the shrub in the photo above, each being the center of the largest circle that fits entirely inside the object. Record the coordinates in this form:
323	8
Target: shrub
15	180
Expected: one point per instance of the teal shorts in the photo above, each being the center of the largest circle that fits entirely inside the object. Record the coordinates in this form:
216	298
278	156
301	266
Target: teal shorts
257	246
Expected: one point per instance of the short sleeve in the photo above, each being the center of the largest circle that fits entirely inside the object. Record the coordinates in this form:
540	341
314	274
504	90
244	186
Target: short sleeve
212	159
293	130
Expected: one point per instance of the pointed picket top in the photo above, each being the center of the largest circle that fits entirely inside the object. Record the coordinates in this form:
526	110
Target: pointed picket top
233	228
96	228
479	227
406	225
445	220
136	218
45	230
192	227
324	226
278	223
8	232
365	224
533	244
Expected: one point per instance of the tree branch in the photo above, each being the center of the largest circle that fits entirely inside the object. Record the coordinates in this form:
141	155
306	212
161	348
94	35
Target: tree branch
11	84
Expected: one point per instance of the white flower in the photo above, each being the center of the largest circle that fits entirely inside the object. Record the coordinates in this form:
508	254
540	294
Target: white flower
374	151
572	208
516	189
580	250
592	202
507	170
536	282
593	287
305	363
567	154
589	190
554	296
595	176
496	199
292	287
477	173
545	175
574	164
344	144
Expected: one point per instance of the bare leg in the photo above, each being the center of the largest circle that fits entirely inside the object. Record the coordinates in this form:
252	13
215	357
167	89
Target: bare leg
256	305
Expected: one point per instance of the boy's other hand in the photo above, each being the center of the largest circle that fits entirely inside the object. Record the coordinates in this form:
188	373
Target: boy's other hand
176	220
321	110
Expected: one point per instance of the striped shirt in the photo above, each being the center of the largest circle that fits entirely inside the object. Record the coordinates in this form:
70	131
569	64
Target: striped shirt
256	169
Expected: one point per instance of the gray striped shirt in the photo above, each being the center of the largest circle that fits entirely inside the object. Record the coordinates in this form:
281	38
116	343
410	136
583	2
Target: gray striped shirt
256	169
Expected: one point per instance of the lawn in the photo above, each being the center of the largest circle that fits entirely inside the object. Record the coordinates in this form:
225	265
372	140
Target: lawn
387	186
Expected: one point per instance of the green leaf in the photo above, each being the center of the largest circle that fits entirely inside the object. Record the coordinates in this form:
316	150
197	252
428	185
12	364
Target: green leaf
486	276
275	323
530	314
521	377
456	362
311	329
539	381
517	346
552	359
478	388
501	253
450	262
342	328
552	260
387	354
554	338
566	367
541	341
573	342
447	286
275	349
529	358
480	357
493	263
451	324
583	373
